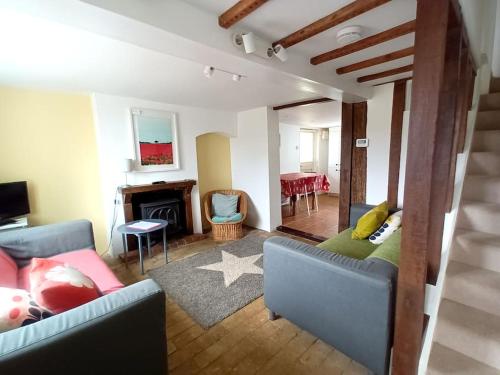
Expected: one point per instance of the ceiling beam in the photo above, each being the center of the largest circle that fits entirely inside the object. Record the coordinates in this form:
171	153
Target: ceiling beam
376	60
387	73
395	81
384	36
238	11
341	15
304	102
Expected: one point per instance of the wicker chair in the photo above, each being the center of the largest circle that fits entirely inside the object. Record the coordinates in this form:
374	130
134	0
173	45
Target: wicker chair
226	231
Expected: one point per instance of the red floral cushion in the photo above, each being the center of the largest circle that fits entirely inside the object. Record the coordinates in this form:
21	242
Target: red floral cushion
59	287
18	309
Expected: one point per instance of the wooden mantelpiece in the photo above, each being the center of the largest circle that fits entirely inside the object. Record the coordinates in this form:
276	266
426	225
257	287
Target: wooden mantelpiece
185	186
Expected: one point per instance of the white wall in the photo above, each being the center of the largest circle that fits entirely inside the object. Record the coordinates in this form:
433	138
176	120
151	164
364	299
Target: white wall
255	165
289	148
495	63
115	142
378	131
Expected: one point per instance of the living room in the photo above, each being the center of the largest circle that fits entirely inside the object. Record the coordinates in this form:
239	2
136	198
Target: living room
144	148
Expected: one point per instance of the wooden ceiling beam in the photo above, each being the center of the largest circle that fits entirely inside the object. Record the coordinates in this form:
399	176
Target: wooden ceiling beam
304	102
376	60
238	11
341	15
384	36
387	73
397	81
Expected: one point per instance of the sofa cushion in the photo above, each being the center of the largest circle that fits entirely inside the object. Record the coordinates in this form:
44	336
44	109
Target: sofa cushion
370	222
8	271
224	205
88	262
389	250
60	287
343	244
18	309
391	225
227	219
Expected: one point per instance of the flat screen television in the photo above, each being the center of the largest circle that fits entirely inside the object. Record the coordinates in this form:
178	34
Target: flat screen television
13	201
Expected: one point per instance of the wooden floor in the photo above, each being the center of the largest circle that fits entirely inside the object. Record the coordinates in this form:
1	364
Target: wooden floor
322	223
245	342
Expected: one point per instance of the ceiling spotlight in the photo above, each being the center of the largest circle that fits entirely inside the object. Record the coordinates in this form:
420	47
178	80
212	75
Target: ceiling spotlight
209	71
280	52
348	35
236	77
249	42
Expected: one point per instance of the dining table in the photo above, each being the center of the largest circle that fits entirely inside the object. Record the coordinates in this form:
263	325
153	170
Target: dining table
296	184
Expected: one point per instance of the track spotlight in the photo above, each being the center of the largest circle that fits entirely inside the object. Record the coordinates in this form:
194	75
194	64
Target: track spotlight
236	77
249	42
209	71
280	52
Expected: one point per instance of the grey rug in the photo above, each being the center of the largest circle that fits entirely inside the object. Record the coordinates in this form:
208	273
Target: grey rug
212	285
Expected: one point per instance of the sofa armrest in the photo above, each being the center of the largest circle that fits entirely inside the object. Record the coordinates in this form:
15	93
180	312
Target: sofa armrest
47	240
347	303
120	333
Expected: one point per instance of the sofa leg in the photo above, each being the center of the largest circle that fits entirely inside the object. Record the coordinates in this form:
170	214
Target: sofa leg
272	315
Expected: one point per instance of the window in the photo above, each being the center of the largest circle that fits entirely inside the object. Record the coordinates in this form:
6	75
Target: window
306	147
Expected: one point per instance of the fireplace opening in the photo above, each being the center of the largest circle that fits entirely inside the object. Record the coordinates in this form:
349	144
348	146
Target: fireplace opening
168	210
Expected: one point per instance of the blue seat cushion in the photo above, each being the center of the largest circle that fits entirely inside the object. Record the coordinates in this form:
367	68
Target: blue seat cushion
224	205
227	219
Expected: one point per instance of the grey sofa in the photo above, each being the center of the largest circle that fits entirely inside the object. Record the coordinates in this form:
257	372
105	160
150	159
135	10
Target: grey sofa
119	333
345	302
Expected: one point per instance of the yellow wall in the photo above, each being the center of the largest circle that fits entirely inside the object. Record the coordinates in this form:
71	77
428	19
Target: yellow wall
214	165
48	139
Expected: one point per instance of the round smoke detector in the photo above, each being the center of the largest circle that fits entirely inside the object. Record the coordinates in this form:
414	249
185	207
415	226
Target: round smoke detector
348	35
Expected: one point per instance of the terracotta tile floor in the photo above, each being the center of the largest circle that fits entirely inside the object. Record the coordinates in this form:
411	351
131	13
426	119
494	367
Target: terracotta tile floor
243	343
322	223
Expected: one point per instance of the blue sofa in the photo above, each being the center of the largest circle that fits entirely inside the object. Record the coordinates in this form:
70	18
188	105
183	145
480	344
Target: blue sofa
347	303
120	333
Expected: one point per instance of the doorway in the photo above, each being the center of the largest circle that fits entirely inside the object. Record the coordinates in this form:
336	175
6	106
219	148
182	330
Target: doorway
310	169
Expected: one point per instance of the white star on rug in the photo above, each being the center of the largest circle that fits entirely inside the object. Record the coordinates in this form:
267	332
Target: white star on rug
233	267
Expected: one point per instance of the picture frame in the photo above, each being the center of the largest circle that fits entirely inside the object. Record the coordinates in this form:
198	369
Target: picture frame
155	140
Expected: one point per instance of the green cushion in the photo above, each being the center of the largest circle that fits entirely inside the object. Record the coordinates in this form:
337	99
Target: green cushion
227	219
389	250
224	205
343	244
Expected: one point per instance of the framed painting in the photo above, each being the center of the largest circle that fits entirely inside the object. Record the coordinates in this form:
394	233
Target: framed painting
155	138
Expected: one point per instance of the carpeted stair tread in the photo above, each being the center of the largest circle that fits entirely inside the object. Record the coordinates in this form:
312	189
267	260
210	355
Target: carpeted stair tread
484	163
470	331
479	216
488	120
477	248
473	286
482	188
486	140
445	361
489	102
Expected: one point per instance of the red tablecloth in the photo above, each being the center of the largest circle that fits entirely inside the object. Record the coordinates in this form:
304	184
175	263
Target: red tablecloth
296	183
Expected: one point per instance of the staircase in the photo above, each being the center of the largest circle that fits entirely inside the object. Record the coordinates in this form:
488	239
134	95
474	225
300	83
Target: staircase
467	336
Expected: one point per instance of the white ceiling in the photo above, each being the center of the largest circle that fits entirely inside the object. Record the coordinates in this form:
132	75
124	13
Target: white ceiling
43	54
277	19
318	115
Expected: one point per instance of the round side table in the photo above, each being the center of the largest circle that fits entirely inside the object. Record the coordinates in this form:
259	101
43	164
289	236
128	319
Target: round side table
128	228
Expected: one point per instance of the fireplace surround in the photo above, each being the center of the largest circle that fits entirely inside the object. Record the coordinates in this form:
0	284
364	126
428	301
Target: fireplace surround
167	200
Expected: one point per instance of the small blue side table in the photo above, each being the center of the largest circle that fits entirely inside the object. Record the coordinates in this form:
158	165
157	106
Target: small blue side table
126	229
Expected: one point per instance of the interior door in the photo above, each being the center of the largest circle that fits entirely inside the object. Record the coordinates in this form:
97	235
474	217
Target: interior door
334	159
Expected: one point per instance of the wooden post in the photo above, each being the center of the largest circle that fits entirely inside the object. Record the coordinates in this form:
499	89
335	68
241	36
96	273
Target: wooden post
398	107
359	157
345	166
422	167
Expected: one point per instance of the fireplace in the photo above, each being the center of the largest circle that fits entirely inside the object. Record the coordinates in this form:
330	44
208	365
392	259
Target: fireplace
169	201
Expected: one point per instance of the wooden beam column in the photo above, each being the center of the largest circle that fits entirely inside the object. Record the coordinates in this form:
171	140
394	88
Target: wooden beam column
345	166
398	107
421	190
359	157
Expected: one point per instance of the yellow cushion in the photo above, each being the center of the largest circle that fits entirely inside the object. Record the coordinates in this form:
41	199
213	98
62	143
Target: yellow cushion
370	222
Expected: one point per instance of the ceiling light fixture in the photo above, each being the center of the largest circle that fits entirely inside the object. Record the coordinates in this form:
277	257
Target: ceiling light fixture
209	71
280	52
253	44
349	35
